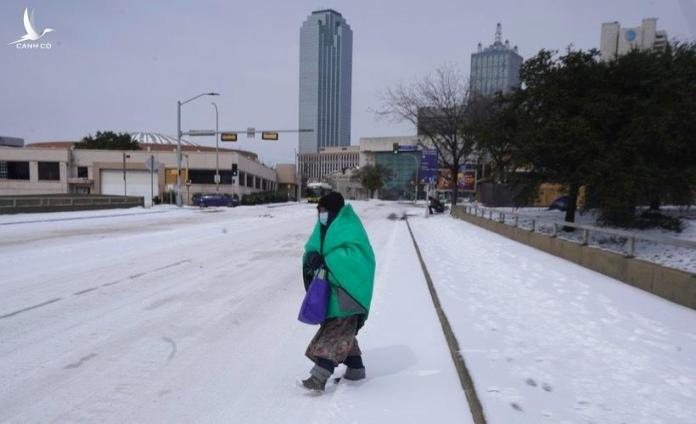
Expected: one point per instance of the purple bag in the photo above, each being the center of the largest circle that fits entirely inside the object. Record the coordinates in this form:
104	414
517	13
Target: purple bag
316	300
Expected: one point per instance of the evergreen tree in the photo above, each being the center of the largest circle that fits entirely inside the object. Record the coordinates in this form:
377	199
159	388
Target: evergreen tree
648	105
108	140
372	177
557	138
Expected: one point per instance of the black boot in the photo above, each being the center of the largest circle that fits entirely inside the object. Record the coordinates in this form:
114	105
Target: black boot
356	369
317	379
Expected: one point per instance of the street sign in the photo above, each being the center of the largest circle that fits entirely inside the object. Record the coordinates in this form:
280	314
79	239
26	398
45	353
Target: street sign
228	136
269	135
217	178
200	133
251	132
429	165
409	148
152	164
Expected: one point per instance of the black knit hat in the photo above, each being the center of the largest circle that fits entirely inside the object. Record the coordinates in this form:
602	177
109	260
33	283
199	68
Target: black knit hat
332	202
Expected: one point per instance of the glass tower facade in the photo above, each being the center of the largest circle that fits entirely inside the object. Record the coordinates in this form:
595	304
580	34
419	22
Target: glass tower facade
495	68
326	59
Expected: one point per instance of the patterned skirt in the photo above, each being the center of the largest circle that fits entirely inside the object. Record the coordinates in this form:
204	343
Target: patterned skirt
335	340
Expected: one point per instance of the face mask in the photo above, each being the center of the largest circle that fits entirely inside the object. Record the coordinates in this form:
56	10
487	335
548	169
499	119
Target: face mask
323	218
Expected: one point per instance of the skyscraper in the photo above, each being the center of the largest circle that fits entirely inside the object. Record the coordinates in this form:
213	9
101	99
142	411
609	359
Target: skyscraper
495	68
616	40
326	57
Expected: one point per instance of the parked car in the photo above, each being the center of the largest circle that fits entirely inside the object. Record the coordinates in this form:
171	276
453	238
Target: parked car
218	199
561	203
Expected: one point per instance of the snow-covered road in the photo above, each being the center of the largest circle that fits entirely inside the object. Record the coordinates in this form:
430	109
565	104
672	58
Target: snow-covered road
169	315
189	316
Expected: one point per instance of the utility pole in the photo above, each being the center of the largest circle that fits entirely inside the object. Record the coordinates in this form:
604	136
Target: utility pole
217	159
152	179
178	143
188	186
125	188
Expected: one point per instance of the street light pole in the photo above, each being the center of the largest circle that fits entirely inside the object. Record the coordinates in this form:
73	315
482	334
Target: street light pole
188	187
178	153
217	160
297	183
178	143
125	189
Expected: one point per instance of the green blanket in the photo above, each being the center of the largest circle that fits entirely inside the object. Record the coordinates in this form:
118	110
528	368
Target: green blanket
351	263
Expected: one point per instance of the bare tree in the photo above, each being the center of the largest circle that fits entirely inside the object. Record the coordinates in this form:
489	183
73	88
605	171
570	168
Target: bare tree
438	106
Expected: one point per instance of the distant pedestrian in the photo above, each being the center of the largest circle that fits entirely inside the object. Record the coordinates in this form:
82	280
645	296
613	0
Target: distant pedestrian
435	205
339	245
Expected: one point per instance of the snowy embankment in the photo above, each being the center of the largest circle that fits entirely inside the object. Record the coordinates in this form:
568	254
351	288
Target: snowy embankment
549	341
664	254
186	315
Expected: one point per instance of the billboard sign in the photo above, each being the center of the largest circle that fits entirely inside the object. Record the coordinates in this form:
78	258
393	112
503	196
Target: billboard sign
466	180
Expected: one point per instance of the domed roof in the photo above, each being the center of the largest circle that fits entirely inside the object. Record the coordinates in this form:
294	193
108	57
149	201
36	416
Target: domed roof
158	138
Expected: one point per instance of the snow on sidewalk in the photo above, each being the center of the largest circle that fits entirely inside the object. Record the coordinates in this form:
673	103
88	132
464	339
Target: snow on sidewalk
549	341
411	376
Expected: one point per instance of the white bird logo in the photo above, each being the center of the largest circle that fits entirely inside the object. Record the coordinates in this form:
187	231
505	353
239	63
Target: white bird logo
32	34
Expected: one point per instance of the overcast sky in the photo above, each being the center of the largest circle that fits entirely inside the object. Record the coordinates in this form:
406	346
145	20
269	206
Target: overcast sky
121	65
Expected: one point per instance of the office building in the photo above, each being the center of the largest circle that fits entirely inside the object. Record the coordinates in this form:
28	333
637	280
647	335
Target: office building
616	40
326	55
329	160
495	68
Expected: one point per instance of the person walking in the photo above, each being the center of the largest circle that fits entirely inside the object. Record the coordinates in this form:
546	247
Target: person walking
339	245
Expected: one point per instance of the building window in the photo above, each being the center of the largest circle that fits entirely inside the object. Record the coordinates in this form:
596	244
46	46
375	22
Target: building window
201	176
225	177
250	180
242	178
49	171
82	172
263	185
258	183
207	176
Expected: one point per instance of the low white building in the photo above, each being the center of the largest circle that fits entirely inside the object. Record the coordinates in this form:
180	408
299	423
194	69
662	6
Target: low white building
57	167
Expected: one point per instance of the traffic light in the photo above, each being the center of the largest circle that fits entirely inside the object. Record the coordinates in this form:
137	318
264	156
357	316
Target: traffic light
269	135
234	170
395	148
228	136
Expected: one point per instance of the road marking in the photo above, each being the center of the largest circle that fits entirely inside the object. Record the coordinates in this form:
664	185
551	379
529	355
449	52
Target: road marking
85	291
11	314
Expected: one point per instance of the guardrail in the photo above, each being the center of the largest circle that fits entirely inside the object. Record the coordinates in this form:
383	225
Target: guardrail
535	224
9	204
